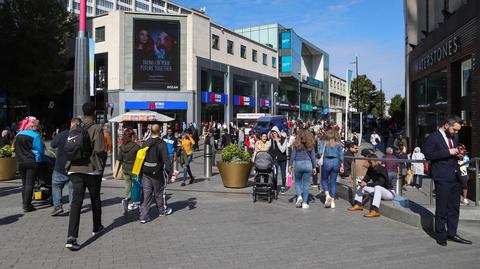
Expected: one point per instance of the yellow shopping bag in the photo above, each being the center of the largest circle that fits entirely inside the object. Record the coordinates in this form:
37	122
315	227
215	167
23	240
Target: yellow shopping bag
137	166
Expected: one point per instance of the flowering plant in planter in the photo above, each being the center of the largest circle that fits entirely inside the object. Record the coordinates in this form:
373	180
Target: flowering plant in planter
234	154
7	152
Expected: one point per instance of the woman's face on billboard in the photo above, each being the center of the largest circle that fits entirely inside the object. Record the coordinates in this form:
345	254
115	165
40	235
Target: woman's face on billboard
143	36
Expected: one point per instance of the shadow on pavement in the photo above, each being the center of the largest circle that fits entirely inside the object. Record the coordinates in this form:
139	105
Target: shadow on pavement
10	219
4	191
118	222
426	218
190	203
105	203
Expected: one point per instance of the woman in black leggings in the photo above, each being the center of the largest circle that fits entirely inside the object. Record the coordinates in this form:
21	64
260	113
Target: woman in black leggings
29	152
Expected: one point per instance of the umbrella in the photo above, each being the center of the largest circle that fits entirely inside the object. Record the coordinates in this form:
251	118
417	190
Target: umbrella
144	115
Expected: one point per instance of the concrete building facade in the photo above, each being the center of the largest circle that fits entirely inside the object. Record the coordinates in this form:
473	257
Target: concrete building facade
196	70
337	99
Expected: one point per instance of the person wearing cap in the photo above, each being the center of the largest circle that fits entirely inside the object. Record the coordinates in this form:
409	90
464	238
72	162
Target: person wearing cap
463	162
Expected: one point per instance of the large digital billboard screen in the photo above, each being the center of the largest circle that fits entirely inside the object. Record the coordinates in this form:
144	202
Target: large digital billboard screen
156	55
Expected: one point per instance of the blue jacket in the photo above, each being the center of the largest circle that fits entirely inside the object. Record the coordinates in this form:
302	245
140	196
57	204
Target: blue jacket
336	152
444	167
29	147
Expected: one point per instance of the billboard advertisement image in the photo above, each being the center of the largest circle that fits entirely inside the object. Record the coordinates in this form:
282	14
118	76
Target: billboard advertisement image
156	55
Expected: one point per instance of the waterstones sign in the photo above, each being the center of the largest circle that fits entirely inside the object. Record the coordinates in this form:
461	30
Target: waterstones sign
437	55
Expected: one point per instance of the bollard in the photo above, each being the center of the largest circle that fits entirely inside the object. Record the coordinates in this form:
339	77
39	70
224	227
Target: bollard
398	187
208	161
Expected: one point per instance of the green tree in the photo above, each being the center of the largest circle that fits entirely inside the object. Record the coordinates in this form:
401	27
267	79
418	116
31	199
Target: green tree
397	109
365	97
33	50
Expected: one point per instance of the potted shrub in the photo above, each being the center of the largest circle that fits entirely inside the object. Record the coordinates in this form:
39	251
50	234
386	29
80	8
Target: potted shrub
8	166
235	167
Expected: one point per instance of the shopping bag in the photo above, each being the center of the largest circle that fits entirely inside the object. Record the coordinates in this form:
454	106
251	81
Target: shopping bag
289	180
409	176
139	159
136	193
117	170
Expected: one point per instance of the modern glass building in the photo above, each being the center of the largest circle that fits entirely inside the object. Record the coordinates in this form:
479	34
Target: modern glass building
303	71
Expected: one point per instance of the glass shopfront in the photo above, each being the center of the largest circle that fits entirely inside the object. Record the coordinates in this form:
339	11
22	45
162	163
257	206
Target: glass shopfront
264	97
430	104
243	100
213	98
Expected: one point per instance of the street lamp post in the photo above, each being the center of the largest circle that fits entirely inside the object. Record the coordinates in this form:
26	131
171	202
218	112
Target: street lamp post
275	97
299	95
80	91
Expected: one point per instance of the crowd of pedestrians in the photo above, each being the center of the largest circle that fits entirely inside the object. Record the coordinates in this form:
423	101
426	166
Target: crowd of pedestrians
301	151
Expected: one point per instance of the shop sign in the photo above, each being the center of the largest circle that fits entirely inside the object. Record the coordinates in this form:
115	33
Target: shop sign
438	54
214	98
156	105
306	107
239	100
265	102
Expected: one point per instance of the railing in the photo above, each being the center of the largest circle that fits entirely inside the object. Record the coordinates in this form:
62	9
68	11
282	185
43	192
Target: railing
474	166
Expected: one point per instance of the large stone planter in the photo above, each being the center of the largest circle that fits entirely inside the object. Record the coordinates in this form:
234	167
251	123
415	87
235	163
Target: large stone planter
8	168
234	175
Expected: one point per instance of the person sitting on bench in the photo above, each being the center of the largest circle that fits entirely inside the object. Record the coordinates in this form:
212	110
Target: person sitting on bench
375	182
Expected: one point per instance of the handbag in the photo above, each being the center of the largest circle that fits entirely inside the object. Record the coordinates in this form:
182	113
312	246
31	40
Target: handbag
409	176
289	180
136	192
320	161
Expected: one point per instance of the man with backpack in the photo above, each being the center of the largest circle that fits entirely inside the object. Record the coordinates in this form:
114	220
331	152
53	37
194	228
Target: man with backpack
156	170
86	158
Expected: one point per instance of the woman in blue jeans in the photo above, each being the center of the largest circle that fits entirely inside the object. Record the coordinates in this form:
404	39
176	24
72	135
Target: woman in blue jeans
332	151
303	158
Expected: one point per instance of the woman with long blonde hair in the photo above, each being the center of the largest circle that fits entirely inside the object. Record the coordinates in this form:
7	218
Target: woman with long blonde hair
331	150
303	156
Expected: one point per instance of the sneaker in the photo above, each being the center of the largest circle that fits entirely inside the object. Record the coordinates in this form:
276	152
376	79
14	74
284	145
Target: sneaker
56	212
328	202
183	184
298	204
167	211
419	188
282	189
99	231
125	206
72	244
191	181
332	205
465	202
143	221
305	206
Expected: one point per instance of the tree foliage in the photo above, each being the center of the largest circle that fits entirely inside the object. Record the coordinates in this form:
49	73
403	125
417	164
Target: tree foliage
32	50
397	109
365	97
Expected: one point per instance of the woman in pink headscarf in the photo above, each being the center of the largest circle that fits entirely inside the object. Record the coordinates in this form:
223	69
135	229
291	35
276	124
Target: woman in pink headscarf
29	153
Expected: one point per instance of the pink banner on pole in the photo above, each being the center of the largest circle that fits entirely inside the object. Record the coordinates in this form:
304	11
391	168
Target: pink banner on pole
83	16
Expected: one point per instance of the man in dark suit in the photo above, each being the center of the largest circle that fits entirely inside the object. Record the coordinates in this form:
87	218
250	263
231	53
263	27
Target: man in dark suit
440	149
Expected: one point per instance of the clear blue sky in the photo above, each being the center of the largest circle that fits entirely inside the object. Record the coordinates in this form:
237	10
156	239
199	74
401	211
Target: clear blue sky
371	29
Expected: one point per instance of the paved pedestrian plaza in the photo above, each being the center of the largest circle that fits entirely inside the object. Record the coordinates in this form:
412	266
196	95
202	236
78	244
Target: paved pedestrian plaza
214	227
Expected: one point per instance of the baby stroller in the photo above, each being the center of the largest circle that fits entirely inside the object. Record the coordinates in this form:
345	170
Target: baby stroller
42	189
263	185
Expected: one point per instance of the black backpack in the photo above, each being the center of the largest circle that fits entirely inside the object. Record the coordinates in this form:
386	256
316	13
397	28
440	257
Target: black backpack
78	145
153	163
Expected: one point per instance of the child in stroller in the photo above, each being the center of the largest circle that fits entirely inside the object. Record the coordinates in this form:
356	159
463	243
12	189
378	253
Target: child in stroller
263	185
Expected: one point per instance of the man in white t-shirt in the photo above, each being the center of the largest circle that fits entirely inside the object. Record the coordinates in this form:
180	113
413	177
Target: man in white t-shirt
375	140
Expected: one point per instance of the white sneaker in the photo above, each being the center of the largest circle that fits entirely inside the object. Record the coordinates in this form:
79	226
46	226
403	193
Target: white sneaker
332	205
305	206
465	202
298	204
328	202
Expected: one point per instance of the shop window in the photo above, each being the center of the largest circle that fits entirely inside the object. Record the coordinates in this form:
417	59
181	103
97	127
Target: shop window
466	77
215	42
243	52
264	59
274	62
99	34
254	55
230	46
